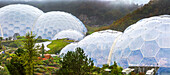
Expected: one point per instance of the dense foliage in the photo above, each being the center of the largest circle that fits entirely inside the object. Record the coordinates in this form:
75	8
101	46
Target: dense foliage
76	63
153	8
30	54
24	59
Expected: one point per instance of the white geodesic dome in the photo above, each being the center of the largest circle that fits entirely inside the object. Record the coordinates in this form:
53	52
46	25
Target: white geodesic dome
96	46
49	24
17	18
146	43
69	34
69	47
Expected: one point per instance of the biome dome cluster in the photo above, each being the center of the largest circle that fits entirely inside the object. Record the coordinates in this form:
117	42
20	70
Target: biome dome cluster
146	43
22	18
96	46
17	18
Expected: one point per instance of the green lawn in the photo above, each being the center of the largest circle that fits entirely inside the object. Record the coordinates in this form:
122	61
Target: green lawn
57	45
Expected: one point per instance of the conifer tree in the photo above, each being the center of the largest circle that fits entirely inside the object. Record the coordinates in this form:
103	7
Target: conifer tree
31	53
42	49
76	63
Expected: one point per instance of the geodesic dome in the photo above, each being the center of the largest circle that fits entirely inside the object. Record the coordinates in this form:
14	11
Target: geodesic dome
49	24
96	46
17	18
69	47
146	43
69	34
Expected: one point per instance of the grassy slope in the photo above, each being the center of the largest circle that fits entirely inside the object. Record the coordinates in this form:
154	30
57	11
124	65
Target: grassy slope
91	29
153	8
57	45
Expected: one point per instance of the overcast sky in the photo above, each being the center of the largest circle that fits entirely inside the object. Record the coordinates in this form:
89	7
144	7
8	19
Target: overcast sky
127	1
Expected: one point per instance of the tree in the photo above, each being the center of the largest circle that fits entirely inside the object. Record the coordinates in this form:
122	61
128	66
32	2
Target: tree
10	38
76	63
15	36
1	38
42	49
6	39
30	54
39	37
116	70
0	44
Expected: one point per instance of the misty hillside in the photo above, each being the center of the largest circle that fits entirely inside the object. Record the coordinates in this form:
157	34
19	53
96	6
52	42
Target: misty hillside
92	13
153	8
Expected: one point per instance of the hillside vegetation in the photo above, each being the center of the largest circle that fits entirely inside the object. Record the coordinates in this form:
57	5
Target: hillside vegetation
57	45
91	13
153	8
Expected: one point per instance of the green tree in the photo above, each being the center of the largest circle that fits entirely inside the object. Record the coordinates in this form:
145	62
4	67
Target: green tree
76	63
42	50
116	70
19	52
0	44
1	38
31	54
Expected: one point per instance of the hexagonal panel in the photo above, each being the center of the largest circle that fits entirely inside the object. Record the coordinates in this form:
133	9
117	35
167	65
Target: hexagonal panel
138	32
164	27
135	57
149	49
116	55
151	24
124	42
163	40
123	63
148	61
150	35
136	43
163	71
163	56
126	52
